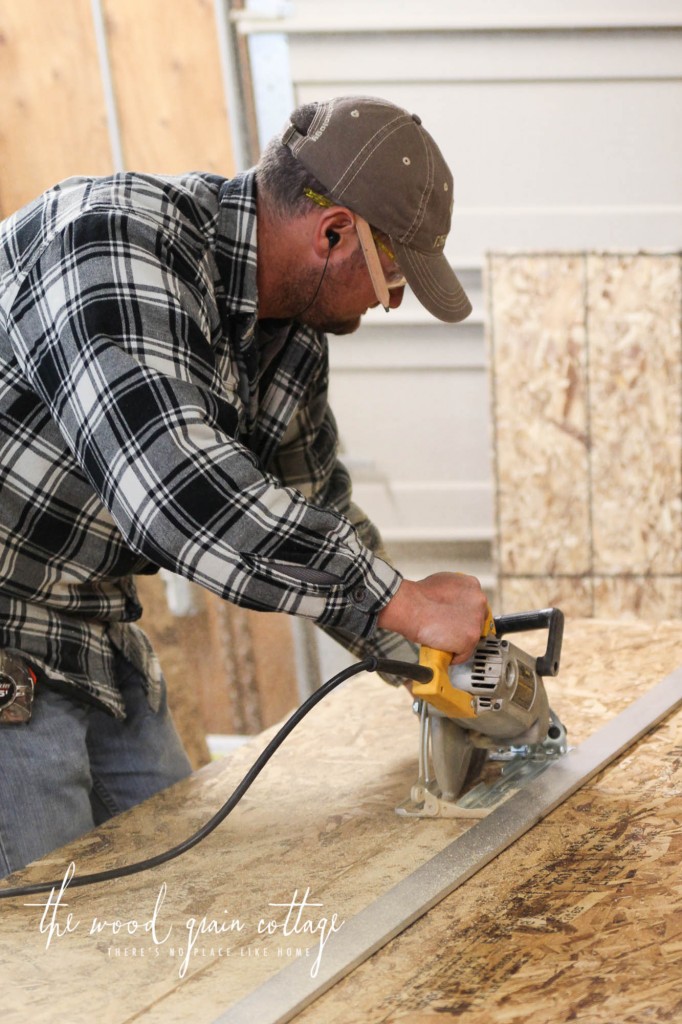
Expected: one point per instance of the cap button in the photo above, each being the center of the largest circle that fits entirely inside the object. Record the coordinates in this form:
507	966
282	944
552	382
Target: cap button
416	118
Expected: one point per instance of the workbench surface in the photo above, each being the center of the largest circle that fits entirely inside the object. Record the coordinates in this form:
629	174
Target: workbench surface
579	920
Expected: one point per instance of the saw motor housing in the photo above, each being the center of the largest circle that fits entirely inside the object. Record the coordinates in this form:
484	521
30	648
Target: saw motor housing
508	696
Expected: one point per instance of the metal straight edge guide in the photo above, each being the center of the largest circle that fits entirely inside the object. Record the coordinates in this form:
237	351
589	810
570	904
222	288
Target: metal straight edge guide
292	989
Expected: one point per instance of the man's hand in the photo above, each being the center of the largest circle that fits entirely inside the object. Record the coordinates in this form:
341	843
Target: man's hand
446	611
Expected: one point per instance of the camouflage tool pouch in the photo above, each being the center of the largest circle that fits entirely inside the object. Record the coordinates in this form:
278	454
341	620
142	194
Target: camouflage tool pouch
17	683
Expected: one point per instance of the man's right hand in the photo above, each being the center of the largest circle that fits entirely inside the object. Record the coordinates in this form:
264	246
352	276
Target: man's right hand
446	611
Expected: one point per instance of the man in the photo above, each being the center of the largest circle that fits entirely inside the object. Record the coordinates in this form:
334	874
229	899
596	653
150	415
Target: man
163	403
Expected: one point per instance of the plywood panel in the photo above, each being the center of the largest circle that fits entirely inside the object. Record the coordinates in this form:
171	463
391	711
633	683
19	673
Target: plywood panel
181	643
52	117
228	669
168	86
247	677
538	348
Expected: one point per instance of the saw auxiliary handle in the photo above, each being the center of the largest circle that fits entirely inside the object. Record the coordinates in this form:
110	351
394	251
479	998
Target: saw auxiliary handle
550	619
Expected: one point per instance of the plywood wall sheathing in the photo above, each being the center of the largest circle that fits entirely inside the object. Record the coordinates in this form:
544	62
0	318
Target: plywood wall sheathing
53	119
165	66
163	63
586	358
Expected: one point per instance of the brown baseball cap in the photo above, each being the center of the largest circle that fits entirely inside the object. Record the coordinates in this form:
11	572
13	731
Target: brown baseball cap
378	160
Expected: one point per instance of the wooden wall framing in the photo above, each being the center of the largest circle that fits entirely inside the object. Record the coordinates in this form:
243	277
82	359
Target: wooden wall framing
586	354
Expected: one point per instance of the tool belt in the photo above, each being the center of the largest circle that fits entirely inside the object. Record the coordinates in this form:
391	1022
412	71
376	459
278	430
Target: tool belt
17	684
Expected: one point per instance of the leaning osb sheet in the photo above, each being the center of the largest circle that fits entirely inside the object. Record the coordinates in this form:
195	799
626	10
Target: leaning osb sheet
537	343
647	597
635	393
522	593
631	597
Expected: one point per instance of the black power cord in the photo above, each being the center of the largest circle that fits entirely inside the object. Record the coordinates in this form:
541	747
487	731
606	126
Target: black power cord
405	669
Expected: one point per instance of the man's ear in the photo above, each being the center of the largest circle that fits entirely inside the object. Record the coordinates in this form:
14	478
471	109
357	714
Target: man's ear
335	229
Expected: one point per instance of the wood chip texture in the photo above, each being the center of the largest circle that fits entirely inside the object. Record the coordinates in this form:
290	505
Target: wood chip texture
586	363
576	921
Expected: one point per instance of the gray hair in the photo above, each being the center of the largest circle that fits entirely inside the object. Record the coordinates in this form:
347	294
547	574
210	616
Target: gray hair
281	178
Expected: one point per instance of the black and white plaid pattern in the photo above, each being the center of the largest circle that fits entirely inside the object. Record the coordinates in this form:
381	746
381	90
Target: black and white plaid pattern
147	419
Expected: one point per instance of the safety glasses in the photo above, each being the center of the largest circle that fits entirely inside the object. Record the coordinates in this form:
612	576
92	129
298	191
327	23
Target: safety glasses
383	280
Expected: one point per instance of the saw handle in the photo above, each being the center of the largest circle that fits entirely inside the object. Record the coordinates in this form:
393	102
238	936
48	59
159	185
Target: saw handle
439	691
551	619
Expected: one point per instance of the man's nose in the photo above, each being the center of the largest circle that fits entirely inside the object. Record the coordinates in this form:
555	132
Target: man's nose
395	297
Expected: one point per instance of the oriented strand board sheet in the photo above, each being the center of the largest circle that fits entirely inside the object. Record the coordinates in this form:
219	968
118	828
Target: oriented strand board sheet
540	414
635	350
612	597
586	354
574	595
581	914
579	921
629	597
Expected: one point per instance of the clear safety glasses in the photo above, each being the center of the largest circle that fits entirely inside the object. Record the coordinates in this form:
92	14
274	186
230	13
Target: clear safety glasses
383	279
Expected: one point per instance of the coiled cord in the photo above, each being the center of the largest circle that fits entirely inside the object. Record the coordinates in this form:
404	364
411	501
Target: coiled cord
371	664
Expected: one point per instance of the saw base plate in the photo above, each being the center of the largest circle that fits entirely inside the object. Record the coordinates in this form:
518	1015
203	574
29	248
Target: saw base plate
425	799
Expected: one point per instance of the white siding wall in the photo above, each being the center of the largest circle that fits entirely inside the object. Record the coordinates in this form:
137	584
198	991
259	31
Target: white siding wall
562	122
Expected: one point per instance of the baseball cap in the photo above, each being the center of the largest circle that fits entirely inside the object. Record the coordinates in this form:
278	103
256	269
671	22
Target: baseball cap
379	161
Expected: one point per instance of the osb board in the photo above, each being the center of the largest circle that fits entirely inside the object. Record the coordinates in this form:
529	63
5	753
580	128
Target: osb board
617	597
579	915
167	79
540	414
586	354
53	117
578	922
634	310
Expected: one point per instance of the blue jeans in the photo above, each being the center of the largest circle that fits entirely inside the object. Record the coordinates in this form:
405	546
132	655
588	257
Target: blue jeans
73	766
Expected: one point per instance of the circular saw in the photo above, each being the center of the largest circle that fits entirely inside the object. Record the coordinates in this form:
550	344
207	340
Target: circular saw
494	708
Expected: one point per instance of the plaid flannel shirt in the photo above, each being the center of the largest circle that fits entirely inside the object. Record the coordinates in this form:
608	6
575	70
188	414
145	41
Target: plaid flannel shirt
147	419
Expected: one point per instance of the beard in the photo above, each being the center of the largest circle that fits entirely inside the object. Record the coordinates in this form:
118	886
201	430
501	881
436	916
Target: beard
320	321
322	292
